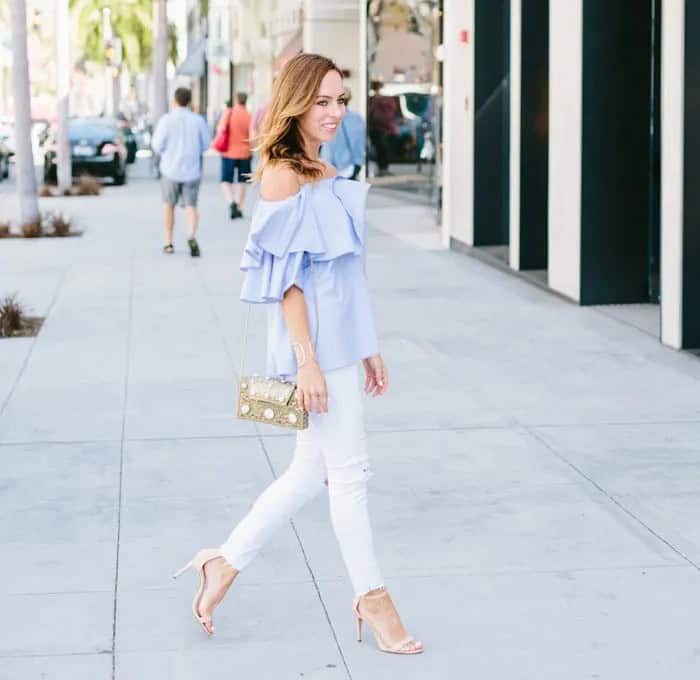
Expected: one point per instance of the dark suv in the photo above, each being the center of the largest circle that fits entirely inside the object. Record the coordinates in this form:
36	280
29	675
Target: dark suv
97	148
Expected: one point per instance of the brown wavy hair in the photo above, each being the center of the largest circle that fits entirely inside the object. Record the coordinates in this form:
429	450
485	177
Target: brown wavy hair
294	93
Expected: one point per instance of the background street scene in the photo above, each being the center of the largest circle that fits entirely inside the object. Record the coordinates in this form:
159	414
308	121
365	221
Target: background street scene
535	491
533	260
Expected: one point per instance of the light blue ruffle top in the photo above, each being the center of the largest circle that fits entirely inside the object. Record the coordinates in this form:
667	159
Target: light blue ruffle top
315	240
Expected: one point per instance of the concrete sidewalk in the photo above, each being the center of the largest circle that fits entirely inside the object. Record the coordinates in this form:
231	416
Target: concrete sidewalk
535	498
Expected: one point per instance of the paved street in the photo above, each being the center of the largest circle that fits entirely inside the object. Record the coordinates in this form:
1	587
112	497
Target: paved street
537	470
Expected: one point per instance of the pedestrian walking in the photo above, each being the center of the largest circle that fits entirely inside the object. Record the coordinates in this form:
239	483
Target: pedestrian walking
346	151
180	139
384	115
235	160
304	256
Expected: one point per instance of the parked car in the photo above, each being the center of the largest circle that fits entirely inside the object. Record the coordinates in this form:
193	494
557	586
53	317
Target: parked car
131	145
7	135
4	160
129	138
98	148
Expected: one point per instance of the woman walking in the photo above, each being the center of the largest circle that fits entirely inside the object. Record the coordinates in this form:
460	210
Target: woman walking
304	256
235	160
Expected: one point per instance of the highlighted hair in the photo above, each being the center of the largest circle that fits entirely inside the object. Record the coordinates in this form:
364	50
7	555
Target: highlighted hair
294	93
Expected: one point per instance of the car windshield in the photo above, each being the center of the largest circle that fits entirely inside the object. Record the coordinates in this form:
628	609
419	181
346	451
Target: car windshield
94	130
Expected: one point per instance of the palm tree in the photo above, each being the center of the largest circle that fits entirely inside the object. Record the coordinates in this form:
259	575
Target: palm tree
130	23
160	59
63	68
26	179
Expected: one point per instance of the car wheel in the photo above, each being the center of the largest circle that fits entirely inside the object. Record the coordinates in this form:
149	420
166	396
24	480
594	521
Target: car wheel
120	177
50	176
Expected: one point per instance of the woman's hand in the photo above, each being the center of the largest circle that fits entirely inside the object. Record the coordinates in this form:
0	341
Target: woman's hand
312	394
376	375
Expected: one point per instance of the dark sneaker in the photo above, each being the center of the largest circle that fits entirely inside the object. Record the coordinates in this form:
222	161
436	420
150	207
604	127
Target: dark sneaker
194	247
233	210
169	249
237	214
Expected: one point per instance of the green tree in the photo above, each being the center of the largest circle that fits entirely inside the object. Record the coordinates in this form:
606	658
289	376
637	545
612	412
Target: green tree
131	22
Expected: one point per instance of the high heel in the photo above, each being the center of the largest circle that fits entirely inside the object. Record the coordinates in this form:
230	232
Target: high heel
386	625
198	562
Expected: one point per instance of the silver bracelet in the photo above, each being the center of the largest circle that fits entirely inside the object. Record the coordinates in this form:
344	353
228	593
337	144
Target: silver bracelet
298	348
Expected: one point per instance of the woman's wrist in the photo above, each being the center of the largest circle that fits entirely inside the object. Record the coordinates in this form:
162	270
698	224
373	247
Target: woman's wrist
309	365
304	353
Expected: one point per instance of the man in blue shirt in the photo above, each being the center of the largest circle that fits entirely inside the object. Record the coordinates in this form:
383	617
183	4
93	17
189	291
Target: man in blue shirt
347	150
180	139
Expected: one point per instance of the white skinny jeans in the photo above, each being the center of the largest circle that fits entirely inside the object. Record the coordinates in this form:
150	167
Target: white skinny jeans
333	448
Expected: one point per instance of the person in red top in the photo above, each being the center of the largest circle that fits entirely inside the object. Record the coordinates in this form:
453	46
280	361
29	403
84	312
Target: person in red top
235	161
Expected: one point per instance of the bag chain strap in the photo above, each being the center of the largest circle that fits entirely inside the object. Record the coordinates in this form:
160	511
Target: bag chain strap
244	348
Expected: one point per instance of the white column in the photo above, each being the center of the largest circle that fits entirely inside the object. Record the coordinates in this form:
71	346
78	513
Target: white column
565	102
458	123
332	28
515	87
672	124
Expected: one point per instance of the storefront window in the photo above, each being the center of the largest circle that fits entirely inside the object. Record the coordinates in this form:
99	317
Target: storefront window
404	95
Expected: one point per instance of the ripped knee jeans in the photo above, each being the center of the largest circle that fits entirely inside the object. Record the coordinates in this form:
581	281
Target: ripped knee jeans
332	450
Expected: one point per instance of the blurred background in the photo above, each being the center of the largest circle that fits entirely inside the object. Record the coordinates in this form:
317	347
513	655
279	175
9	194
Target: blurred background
531	128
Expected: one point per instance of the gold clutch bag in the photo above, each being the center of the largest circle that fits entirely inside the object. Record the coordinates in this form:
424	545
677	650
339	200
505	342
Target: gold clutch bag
272	401
269	400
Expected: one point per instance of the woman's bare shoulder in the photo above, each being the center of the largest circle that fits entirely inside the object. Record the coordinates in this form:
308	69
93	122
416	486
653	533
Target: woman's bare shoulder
278	182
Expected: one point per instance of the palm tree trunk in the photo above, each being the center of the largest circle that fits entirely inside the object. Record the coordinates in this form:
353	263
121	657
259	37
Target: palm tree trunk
116	93
160	59
63	155
26	180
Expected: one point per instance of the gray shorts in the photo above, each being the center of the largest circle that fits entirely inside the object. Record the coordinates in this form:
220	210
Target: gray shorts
185	192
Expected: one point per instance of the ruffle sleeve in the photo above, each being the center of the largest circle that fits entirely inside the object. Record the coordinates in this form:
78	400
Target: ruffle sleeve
286	236
353	196
273	257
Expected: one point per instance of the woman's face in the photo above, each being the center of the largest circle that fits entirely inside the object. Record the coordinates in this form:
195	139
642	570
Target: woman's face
320	123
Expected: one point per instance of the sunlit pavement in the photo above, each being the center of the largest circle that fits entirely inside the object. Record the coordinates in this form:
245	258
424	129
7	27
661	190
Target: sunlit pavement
536	487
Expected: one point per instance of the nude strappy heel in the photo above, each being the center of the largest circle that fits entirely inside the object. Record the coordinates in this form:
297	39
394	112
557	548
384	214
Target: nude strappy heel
197	563
388	631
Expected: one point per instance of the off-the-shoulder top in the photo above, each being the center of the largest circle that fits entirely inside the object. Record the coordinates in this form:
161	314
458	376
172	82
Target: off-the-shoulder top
314	239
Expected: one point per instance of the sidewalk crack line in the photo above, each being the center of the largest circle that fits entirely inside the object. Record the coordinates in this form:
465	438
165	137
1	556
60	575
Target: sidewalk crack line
125	398
612	498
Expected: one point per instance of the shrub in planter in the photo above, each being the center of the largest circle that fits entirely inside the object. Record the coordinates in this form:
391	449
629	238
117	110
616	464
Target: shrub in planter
4	229
11	315
33	229
88	186
60	224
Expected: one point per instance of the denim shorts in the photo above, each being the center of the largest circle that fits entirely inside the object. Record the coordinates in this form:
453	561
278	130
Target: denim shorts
185	192
229	165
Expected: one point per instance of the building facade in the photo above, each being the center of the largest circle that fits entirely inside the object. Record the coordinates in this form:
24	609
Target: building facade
555	138
569	149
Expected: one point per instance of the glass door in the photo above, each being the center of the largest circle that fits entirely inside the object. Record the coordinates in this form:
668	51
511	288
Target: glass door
654	235
404	95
